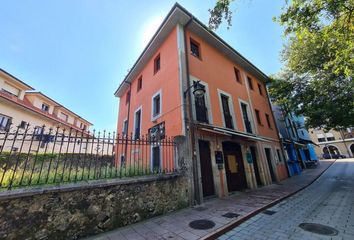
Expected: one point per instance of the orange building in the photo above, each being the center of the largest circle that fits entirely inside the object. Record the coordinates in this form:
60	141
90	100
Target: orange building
229	132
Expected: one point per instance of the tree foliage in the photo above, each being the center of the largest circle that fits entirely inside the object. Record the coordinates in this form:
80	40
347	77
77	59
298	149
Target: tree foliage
317	79
220	12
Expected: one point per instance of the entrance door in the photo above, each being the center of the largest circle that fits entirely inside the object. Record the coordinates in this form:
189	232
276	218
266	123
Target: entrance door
235	172
269	161
255	166
206	169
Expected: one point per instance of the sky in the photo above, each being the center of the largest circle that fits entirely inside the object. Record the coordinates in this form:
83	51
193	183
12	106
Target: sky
78	52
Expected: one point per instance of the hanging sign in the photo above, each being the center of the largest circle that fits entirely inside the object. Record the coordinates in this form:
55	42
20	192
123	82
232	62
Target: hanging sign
249	158
219	159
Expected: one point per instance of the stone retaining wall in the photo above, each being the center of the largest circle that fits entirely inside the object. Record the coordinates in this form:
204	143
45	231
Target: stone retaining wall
74	211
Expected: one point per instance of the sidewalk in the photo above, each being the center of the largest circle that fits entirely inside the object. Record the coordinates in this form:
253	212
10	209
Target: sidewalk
246	204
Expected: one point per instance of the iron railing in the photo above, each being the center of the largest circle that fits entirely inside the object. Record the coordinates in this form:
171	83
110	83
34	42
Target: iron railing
40	155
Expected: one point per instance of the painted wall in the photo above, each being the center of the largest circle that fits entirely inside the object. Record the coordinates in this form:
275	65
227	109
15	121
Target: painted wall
165	80
218	72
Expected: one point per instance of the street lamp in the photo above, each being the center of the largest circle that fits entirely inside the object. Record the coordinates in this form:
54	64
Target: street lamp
198	90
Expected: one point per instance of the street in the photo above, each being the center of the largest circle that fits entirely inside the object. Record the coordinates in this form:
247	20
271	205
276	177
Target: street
328	201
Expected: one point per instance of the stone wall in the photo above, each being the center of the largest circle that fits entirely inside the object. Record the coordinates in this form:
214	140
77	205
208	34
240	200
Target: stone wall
79	210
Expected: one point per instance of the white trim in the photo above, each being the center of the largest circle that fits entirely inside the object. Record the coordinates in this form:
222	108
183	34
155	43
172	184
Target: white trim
207	100
336	141
231	106
245	80
126	119
141	116
249	114
158	93
181	70
151	156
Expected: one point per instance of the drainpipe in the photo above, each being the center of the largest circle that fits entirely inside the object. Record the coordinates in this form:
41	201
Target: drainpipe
128	118
190	123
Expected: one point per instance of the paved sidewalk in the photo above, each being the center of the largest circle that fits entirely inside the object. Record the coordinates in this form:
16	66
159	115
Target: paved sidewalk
246	204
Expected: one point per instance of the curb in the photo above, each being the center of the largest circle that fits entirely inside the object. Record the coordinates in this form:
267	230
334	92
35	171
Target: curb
226	228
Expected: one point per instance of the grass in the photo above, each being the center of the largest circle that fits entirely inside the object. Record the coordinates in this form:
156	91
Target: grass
50	169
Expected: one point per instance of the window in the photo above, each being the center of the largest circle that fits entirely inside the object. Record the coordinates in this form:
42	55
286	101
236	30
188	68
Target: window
279	155
157	64
226	111
156	105
38	131
237	75
258	117
22	124
127	98
268	120
260	89
155	158
331	139
246	118
5	123
195	48
201	110
137	124
321	139
125	127
64	117
45	107
291	127
250	82
140	84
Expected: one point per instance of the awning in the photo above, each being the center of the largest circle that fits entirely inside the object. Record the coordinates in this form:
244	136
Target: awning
228	132
306	141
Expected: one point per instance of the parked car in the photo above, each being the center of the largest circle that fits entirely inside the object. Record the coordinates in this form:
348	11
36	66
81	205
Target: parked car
335	156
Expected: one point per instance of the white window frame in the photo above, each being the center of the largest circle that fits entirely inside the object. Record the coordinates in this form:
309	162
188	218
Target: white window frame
141	116
231	106
151	155
250	116
46	105
153	118
4	121
125	120
207	100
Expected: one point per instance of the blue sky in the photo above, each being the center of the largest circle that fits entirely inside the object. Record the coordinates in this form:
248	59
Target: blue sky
78	52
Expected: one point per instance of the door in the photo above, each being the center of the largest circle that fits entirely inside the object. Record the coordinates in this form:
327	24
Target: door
226	111
206	169
255	166
246	119
235	172
200	107
156	161
270	166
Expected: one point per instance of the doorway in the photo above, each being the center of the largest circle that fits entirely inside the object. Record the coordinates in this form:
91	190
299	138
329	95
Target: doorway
255	166
235	172
270	166
206	169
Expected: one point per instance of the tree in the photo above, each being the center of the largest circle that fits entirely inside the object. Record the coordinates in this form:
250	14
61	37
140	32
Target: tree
317	79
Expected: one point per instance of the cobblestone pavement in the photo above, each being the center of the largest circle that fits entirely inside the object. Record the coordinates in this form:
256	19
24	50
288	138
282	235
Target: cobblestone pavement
176	225
328	201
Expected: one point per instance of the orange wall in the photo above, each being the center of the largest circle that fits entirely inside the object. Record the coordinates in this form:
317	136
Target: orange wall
218	71
166	79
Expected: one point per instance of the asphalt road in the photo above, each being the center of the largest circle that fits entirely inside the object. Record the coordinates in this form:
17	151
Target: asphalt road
329	201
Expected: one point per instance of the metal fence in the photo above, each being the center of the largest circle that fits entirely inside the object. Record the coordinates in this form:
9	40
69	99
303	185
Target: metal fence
40	155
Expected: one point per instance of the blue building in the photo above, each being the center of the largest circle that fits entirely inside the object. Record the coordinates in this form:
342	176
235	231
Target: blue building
296	141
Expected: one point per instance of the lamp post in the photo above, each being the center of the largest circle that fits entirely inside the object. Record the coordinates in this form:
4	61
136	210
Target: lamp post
198	92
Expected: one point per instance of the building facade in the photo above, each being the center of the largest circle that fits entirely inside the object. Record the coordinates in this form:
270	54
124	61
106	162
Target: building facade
298	146
188	83
25	111
333	143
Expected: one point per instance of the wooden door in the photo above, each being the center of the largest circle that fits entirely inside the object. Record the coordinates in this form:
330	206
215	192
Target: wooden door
206	169
235	172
